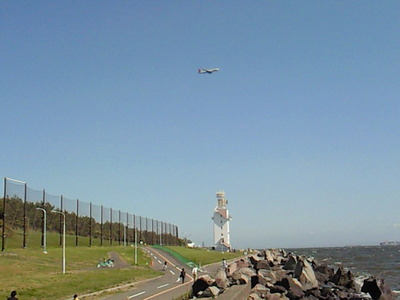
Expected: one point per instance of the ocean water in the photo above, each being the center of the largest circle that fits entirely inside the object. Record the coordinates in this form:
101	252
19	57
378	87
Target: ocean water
363	261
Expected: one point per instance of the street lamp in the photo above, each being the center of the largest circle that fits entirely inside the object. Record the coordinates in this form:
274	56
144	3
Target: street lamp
44	229
63	250
135	245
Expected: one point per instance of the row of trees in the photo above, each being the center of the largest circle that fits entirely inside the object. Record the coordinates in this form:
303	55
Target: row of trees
17	214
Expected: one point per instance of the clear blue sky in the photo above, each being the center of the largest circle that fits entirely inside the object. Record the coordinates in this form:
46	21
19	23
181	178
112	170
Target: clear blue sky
101	101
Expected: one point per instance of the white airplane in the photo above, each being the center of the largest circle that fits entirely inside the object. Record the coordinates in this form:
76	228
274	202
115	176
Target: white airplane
208	71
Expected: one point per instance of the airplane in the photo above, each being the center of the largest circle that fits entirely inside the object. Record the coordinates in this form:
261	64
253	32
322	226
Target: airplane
208	71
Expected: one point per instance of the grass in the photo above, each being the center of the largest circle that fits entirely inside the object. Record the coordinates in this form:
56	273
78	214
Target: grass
35	275
204	256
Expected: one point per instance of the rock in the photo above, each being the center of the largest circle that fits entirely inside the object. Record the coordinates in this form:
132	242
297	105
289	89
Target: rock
253	296
207	278
267	275
269	256
221	280
290	263
377	290
243	275
254	259
262	264
294	287
343	278
260	290
305	273
276	296
199	286
211	291
277	289
324	269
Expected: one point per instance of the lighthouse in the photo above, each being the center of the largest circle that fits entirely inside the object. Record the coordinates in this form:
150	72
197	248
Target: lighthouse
221	218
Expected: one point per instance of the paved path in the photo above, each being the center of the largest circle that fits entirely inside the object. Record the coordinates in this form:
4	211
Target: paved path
165	287
168	286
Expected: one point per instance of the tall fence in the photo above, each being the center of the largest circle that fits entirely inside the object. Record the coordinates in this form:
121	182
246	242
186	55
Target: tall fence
24	211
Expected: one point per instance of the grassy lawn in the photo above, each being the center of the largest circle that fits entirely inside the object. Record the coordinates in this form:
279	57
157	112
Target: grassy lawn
35	275
203	256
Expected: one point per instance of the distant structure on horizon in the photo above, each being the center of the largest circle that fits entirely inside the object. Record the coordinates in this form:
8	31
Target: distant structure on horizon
221	218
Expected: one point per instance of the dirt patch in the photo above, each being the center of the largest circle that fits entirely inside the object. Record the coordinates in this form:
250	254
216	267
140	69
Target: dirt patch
119	262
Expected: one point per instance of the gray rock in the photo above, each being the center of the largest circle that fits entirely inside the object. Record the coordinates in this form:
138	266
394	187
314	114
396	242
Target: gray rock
221	279
290	263
211	291
253	296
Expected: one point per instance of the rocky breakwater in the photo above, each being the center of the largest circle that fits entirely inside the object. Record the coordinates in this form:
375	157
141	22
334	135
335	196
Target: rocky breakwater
274	275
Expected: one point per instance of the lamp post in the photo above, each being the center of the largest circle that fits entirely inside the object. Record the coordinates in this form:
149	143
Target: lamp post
44	229
63	250
135	245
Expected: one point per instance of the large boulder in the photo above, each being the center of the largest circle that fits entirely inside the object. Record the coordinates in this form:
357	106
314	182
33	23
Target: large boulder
260	290
253	296
377	289
323	273
305	274
262	264
221	279
276	296
294	287
211	292
199	286
290	263
243	275
266	276
343	278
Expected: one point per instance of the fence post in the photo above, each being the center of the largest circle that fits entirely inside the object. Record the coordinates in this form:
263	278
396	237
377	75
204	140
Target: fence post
90	225
140	228
24	233
134	229
127	227
3	235
62	209
43	223
101	226
111	236
119	227
76	222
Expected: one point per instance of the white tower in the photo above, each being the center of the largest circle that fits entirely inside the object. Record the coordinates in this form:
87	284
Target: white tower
221	219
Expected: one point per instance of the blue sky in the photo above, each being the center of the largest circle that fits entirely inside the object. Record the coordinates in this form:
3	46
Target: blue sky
101	101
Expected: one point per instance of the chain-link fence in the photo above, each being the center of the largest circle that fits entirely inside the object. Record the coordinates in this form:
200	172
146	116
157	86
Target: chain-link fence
25	211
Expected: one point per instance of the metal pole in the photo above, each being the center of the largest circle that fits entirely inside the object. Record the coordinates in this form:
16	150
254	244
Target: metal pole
101	226
90	225
111	236
43	222
24	234
3	235
119	227
62	208
44	229
124	235
135	245
63	250
76	223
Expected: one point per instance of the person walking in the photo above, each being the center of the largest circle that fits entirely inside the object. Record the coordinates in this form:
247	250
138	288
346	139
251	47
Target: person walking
194	273
165	265
13	296
224	264
183	275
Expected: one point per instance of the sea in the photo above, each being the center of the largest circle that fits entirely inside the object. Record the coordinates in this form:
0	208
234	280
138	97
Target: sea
363	261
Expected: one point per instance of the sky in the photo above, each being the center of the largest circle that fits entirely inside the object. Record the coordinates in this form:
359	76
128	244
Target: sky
101	101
